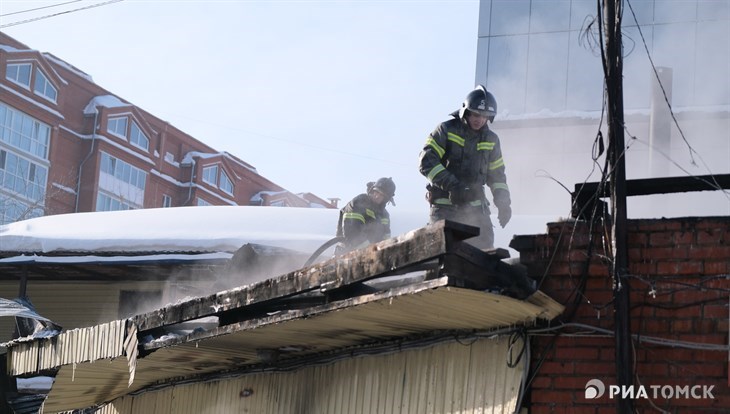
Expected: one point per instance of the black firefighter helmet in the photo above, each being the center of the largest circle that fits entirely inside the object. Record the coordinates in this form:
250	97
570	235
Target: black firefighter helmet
386	186
480	101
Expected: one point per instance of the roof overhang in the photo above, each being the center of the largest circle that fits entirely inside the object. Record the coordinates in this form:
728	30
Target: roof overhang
329	307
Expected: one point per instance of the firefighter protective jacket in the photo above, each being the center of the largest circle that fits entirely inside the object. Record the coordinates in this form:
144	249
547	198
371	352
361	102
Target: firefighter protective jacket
363	222
455	157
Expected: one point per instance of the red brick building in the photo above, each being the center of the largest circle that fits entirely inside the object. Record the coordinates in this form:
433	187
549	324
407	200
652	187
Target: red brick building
679	283
68	145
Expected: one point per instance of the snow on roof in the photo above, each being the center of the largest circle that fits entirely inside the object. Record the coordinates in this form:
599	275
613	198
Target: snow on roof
68	67
200	228
258	197
548	114
11	49
203	229
107	101
189	158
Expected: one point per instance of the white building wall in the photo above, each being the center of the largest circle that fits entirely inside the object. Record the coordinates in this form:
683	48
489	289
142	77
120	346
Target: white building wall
541	60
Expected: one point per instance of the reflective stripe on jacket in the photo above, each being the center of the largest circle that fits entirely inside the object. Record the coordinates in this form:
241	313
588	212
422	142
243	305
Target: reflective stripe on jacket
454	156
363	222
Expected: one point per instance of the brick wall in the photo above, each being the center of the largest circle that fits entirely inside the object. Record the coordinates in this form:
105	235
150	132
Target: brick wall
680	291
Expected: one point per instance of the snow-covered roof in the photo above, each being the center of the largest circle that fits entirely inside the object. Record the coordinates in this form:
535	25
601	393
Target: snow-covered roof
189	158
201	229
177	229
107	101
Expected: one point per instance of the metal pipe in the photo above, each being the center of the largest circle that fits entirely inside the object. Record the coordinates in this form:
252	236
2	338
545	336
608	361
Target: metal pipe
81	166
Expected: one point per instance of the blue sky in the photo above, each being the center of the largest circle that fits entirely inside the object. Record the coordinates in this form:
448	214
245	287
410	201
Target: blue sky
320	96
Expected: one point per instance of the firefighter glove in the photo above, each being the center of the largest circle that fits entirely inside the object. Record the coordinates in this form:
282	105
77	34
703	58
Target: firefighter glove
505	213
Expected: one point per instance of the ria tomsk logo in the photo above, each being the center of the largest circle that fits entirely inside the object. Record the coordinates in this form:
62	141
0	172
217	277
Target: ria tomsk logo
594	389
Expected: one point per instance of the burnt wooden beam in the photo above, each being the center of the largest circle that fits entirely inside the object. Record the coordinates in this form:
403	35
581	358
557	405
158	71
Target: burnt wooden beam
360	265
294	314
481	270
586	193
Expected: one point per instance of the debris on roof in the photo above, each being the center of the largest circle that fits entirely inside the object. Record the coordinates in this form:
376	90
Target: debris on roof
423	283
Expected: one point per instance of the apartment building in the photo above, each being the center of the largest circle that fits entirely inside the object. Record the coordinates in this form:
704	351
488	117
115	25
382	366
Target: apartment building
68	145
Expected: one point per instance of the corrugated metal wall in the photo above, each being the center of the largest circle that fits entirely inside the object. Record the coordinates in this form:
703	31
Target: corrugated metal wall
104	341
453	377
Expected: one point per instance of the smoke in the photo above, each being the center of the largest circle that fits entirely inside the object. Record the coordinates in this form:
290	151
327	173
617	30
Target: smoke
546	73
252	263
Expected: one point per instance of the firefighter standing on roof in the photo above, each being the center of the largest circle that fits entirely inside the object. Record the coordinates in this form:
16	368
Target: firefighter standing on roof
365	220
461	156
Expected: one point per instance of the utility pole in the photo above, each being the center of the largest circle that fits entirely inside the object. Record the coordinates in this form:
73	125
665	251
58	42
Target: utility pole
617	160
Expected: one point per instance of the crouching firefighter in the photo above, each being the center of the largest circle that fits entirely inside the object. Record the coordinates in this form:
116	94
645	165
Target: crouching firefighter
364	219
460	157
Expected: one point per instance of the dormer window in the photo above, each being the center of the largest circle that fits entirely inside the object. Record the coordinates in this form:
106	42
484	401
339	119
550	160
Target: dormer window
117	126
210	175
226	185
138	138
218	178
43	87
19	73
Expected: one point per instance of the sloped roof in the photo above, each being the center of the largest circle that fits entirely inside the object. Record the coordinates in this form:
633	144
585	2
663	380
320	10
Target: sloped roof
423	282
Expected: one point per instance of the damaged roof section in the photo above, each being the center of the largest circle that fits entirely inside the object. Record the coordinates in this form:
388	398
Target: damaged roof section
422	283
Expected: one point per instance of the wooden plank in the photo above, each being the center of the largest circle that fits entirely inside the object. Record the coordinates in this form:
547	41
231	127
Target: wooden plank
408	249
480	270
296	314
585	193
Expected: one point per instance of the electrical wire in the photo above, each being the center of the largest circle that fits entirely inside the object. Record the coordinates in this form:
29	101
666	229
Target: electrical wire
525	371
672	343
39	8
714	184
666	98
656	74
58	14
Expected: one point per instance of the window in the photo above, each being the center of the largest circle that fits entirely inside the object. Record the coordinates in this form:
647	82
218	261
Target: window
117	126
199	201
138	138
106	202
123	171
217	178
210	175
23	177
166	201
226	184
19	73
23	132
13	209
43	87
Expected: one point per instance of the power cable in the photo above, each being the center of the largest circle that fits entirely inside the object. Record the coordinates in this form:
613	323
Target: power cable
666	98
58	14
664	92
39	8
647	339
714	184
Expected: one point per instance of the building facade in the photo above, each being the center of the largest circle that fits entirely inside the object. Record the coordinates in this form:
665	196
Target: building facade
67	145
542	61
